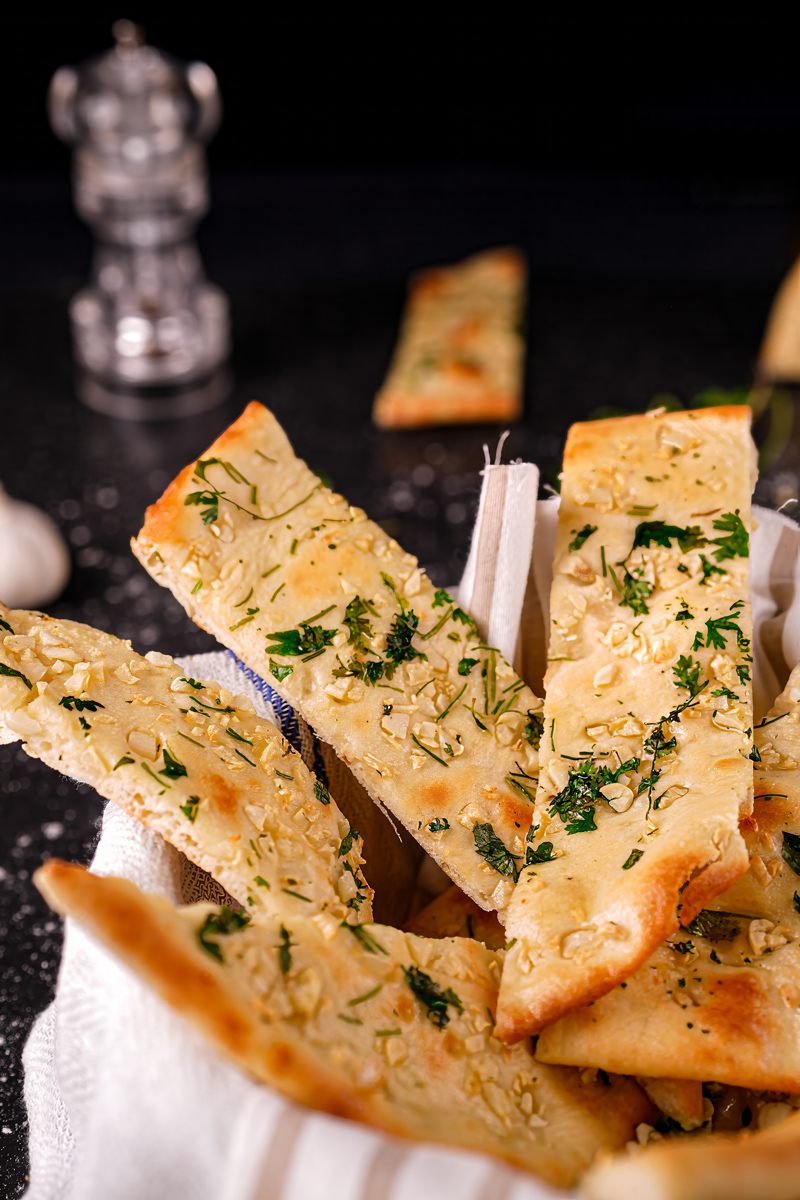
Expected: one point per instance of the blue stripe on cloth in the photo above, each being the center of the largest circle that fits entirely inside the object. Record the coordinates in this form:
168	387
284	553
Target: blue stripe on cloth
287	719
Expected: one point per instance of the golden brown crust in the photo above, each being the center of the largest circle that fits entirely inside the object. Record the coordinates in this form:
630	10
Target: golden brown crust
460	353
389	1066
630	609
441	735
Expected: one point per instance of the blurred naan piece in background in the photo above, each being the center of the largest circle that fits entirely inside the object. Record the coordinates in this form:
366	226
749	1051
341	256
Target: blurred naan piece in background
461	351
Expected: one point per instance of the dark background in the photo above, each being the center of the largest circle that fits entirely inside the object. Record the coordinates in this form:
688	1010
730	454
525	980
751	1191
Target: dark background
647	166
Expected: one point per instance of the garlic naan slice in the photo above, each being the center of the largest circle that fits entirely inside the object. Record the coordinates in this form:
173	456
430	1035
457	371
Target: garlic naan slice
185	757
368	1023
386	668
645	767
725	1006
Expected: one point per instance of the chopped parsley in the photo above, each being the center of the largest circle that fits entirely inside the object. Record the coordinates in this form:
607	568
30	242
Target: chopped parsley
347	842
362	934
534	728
717	627
632	859
308	639
356	621
5	625
398	641
438	824
173	769
441	598
708	570
11	673
226	921
537	854
716	926
687	673
71	702
285	951
429	993
466	665
321	792
125	761
575	803
657	533
634	591
279	671
494	851
736	544
189	809
582	537
791	851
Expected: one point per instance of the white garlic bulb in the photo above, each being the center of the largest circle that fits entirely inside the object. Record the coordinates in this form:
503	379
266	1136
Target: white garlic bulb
34	561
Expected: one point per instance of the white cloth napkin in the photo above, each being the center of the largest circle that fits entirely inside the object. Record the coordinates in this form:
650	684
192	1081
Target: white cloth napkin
127	1101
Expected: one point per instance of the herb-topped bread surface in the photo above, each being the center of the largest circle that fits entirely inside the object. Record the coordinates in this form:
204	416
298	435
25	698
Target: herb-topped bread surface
386	668
187	758
646	756
721	999
461	351
369	1023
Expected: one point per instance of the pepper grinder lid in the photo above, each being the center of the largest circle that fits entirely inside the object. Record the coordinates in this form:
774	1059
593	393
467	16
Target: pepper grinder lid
138	118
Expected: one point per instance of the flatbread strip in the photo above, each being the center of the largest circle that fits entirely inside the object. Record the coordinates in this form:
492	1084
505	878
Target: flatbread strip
747	1166
341	1024
645	766
185	757
388	670
461	351
725	1006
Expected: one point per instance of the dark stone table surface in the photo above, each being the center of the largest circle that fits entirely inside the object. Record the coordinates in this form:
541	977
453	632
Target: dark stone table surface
638	287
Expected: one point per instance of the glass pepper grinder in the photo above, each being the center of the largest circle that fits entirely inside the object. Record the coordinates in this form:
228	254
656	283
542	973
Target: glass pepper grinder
150	333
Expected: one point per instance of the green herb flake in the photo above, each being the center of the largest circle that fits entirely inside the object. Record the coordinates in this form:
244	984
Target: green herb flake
362	934
285	951
308	639
717	926
321	792
582	537
357	623
173	769
632	859
441	598
226	921
366	996
491	848
11	673
687	673
466	664
657	533
347	842
737	543
634	591
438	825
791	851
260	881
430	993
189	809
279	671
79	705
125	761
